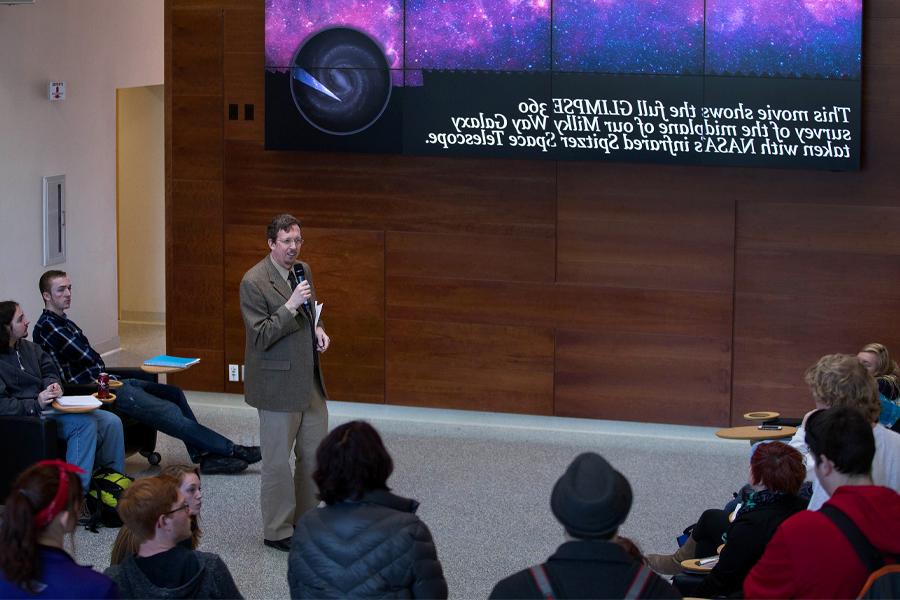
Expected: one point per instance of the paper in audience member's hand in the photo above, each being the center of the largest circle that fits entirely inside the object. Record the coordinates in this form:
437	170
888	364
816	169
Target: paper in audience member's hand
319	306
78	401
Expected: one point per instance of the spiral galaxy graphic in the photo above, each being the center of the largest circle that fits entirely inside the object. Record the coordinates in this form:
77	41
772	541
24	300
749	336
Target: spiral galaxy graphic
340	81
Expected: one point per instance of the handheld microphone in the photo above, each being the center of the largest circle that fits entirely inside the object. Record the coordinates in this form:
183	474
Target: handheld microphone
300	274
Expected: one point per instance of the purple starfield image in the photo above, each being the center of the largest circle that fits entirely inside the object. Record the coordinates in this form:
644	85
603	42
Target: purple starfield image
784	38
662	37
291	22
496	35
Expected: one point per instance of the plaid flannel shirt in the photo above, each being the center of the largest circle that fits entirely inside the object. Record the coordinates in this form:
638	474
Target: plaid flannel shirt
69	348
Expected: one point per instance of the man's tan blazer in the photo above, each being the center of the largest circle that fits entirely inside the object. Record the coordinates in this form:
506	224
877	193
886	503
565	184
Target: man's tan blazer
280	363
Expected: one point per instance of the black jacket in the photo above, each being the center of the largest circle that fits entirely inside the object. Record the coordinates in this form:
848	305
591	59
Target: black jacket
746	539
375	547
585	569
19	388
211	580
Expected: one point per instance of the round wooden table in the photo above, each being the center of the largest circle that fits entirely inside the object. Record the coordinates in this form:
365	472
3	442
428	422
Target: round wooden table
754	434
161	370
761	415
693	564
113	383
73	409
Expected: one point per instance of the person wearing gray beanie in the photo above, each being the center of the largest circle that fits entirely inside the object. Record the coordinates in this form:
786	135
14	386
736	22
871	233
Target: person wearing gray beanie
591	500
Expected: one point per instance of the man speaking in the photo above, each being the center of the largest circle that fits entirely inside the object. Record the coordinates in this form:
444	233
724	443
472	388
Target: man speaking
282	379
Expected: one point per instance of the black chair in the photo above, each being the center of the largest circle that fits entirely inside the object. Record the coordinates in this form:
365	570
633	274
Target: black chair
23	442
27	440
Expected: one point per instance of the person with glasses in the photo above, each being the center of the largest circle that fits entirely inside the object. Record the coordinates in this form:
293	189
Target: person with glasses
158	513
188	479
282	377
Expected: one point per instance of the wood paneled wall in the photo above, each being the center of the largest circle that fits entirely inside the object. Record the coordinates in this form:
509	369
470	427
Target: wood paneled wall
606	290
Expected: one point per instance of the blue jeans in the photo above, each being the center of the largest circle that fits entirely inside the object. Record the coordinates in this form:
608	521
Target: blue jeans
93	438
165	408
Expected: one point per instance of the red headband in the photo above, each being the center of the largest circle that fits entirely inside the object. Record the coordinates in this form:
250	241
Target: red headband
49	512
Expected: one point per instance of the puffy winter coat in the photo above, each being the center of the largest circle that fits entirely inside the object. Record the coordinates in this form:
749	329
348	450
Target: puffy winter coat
374	547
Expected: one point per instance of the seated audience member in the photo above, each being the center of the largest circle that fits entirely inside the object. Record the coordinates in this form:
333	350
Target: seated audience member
365	542
158	515
776	474
591	500
877	361
188	481
29	383
809	556
41	509
838	380
161	406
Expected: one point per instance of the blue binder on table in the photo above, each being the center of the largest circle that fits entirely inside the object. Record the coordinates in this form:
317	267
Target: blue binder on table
177	362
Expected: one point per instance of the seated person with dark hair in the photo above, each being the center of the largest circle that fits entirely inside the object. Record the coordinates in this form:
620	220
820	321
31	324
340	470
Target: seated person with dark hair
161	406
365	542
809	556
158	514
591	500
29	384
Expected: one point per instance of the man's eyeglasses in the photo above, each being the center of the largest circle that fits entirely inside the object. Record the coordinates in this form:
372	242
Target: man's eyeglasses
292	241
185	507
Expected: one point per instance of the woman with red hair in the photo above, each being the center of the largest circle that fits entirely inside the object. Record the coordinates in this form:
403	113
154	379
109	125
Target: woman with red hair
41	509
776	473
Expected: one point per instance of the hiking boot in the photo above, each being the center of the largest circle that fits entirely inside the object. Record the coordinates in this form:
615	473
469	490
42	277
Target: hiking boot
670	564
212	464
251	454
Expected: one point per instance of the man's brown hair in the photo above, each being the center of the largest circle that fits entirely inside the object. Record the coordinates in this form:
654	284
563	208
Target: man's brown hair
281	223
143	503
838	380
44	283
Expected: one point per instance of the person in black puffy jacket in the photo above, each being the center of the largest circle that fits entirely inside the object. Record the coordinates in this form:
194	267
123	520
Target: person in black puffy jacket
365	542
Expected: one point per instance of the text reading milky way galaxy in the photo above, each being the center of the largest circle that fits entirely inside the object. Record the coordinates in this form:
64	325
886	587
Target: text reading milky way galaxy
605	127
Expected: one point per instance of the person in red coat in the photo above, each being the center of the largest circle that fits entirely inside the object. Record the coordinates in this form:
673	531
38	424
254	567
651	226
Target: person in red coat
809	557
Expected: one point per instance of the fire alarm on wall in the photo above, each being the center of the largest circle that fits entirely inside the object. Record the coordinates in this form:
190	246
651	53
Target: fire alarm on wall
56	90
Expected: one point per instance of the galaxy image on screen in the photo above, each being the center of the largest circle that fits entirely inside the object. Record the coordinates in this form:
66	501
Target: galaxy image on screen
784	38
764	38
628	36
380	75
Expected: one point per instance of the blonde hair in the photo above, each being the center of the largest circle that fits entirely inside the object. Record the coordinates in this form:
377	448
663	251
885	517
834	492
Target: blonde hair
838	380
885	369
125	545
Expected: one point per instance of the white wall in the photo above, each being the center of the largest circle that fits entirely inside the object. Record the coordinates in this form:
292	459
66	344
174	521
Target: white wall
95	46
141	192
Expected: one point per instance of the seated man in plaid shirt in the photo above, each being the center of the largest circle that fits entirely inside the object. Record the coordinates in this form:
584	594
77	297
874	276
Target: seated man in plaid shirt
161	406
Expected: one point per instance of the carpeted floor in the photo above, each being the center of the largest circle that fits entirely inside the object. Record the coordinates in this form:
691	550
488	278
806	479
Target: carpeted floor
483	481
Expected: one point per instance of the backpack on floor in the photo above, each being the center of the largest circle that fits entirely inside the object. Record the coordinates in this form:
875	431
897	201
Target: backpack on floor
103	496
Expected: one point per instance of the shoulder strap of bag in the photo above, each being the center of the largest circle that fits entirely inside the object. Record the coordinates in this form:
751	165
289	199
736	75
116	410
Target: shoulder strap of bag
638	583
883	583
542	581
868	554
